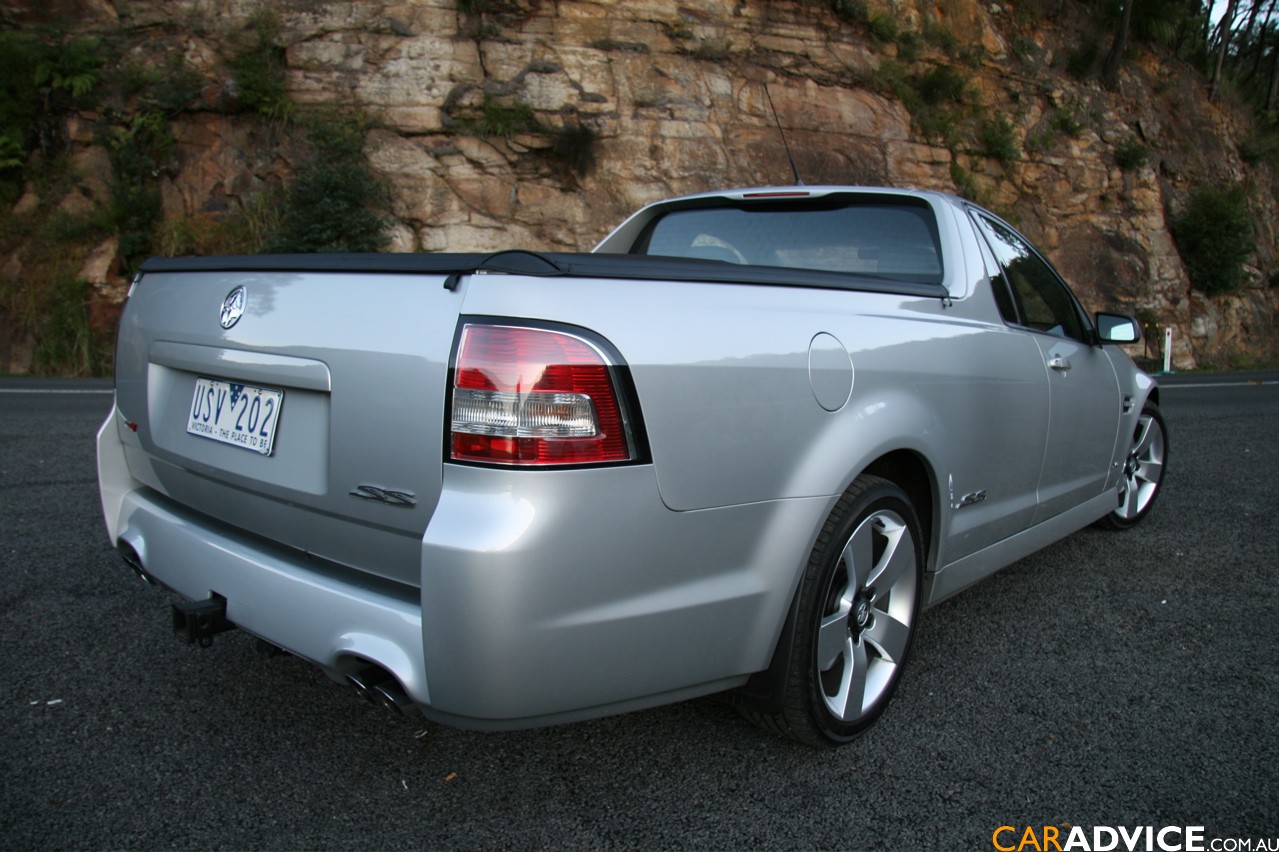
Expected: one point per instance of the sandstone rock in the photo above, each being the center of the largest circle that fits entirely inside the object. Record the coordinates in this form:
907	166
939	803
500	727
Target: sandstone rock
674	95
91	168
28	203
99	266
11	269
76	204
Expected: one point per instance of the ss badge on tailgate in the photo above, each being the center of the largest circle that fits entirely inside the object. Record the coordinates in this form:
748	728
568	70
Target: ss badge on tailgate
389	496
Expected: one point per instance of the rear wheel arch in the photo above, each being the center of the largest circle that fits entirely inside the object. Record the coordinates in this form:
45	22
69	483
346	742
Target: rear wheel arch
761	699
851	620
913	474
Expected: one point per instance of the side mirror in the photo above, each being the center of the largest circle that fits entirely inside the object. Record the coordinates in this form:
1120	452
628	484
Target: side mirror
1117	328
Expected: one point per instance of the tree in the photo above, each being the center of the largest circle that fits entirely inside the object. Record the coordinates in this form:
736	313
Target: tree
330	204
1110	70
1223	46
1262	35
1215	236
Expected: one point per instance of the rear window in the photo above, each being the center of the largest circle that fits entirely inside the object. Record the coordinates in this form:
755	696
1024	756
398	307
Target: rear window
887	239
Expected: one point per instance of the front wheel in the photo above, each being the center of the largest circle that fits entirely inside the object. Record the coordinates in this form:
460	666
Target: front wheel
859	601
1144	468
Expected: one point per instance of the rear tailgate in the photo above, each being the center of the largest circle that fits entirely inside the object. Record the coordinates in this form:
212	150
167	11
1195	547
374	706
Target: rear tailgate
319	418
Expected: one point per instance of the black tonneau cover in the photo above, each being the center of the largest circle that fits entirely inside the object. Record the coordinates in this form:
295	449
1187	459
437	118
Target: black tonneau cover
577	265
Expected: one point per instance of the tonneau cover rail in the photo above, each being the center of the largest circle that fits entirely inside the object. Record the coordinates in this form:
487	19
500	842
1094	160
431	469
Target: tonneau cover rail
567	264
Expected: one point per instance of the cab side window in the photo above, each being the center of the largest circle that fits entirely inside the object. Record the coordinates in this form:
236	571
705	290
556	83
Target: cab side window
998	281
1042	299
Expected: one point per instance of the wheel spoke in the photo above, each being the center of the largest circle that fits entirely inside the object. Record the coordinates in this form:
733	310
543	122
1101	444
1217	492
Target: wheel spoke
889	636
860	618
897	561
1151	471
1147	432
847	702
1128	508
832	635
1145	469
859	555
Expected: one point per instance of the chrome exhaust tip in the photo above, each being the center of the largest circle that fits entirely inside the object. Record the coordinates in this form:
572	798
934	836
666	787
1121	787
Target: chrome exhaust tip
378	686
366	679
134	561
392	697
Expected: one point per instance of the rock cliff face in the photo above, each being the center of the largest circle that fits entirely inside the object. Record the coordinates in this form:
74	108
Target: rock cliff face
595	108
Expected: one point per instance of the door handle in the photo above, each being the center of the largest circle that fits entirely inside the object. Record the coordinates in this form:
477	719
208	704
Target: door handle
1061	365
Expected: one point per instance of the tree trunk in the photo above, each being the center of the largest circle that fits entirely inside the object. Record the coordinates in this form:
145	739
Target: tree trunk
1274	83
1262	38
1223	44
1110	71
1252	16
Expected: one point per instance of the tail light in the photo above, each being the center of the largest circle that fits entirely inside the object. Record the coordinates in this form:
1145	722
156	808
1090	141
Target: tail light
536	397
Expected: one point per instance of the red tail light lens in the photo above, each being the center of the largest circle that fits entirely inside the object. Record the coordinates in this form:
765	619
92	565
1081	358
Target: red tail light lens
536	397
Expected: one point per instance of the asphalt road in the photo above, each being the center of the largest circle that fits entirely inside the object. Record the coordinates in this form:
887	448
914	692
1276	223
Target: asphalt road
1113	680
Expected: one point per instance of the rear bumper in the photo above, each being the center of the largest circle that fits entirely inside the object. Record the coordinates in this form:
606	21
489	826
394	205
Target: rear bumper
332	622
274	593
545	597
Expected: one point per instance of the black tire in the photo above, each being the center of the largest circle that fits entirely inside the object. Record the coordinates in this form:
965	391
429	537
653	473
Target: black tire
858	605
1143	474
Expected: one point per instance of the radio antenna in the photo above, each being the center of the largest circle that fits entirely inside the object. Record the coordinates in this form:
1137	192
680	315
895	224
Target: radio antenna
795	171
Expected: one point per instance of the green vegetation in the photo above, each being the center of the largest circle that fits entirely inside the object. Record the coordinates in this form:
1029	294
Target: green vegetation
131	92
11	154
997	138
489	7
330	203
1130	154
1164	22
1215	236
66	344
940	84
612	45
500	120
42	76
129	100
935	97
850	11
171	87
1065	120
941	36
1261	146
243	231
259	70
1025	50
574	145
1083	61
678	29
712	49
964	185
137	149
883	27
49	304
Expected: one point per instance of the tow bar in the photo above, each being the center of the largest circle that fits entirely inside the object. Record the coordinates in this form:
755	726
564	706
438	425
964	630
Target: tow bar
198	621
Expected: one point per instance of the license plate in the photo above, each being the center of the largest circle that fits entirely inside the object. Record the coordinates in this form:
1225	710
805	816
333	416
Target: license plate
240	415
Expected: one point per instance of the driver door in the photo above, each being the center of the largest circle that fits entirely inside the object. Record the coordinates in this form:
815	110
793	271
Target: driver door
1085	403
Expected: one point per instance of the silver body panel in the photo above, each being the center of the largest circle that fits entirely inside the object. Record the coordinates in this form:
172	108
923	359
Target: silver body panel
509	598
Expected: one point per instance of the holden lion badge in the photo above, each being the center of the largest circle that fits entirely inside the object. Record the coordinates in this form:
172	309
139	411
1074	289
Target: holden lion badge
233	306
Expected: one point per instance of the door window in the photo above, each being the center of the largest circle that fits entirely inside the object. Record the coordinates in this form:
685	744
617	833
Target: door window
1042	300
